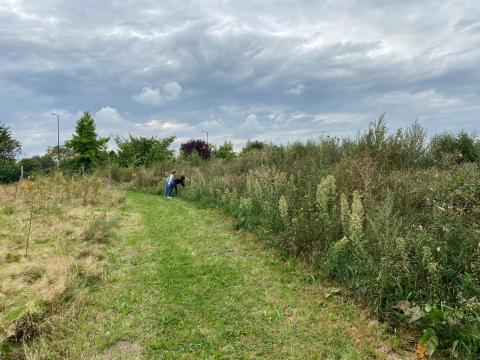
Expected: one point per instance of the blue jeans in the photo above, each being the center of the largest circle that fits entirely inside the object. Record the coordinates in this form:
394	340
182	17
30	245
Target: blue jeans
169	189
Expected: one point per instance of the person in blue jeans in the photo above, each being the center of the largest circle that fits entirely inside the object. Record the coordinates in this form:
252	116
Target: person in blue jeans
169	185
176	182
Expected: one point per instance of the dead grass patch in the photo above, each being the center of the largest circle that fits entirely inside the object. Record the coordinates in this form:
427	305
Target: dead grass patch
40	287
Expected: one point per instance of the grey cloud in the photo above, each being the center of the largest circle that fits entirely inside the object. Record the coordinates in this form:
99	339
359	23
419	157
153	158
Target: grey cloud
300	67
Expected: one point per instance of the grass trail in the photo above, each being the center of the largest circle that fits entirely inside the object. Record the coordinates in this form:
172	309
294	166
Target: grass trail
187	285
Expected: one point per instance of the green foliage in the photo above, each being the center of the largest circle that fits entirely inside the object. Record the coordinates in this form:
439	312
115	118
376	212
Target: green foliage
9	147
378	213
9	172
8	210
141	151
87	146
225	151
460	148
374	213
99	229
253	145
12	258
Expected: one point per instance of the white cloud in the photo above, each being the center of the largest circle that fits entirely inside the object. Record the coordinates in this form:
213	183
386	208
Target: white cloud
338	118
214	124
427	98
238	59
159	96
251	123
297	90
108	117
156	124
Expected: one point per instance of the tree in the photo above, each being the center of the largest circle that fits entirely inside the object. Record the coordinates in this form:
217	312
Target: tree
65	155
88	147
464	146
253	145
139	151
198	146
9	147
225	151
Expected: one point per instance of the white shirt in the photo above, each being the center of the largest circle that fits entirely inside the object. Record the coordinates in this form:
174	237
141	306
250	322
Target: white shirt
170	180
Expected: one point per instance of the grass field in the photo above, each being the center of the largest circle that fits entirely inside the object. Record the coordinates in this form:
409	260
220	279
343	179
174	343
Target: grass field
53	237
182	283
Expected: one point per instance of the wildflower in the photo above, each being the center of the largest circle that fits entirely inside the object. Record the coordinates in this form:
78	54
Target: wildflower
283	207
257	189
325	196
356	218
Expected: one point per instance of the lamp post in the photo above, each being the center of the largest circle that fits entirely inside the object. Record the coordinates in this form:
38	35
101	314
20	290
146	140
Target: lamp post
58	138
206	132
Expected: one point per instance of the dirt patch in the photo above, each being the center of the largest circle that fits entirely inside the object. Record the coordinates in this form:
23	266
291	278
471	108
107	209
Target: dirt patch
124	349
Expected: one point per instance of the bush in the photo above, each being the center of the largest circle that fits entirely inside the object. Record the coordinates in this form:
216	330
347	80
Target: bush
199	147
383	213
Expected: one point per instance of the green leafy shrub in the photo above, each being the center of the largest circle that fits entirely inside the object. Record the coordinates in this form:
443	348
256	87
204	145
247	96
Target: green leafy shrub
384	214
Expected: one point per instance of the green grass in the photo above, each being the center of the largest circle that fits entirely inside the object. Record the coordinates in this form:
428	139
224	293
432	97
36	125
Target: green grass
184	284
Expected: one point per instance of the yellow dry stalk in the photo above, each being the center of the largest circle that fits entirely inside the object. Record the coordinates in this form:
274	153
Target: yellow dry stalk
326	192
257	189
249	183
357	216
280	180
283	208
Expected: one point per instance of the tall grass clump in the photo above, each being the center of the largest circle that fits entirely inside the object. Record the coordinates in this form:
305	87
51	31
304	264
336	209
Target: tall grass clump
392	216
50	251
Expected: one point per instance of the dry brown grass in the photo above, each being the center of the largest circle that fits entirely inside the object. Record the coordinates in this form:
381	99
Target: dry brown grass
45	261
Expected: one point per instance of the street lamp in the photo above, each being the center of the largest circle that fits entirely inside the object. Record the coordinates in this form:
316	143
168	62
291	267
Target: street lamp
206	132
58	138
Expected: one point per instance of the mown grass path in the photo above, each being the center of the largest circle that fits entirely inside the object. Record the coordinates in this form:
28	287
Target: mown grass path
187	285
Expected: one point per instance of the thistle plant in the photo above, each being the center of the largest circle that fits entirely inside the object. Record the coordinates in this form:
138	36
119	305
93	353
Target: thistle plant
326	193
283	208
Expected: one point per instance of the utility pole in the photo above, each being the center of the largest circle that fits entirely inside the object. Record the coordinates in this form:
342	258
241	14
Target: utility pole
206	132
58	138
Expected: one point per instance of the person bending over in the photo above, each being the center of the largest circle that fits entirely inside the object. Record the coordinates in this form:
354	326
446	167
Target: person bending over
180	181
170	183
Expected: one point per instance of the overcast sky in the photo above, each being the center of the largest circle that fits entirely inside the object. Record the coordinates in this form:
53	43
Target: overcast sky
271	70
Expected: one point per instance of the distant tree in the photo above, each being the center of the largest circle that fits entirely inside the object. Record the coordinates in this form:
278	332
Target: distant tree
9	147
465	146
225	151
138	151
87	146
253	145
65	156
196	146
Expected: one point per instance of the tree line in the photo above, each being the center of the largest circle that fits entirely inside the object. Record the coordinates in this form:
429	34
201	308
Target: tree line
86	151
